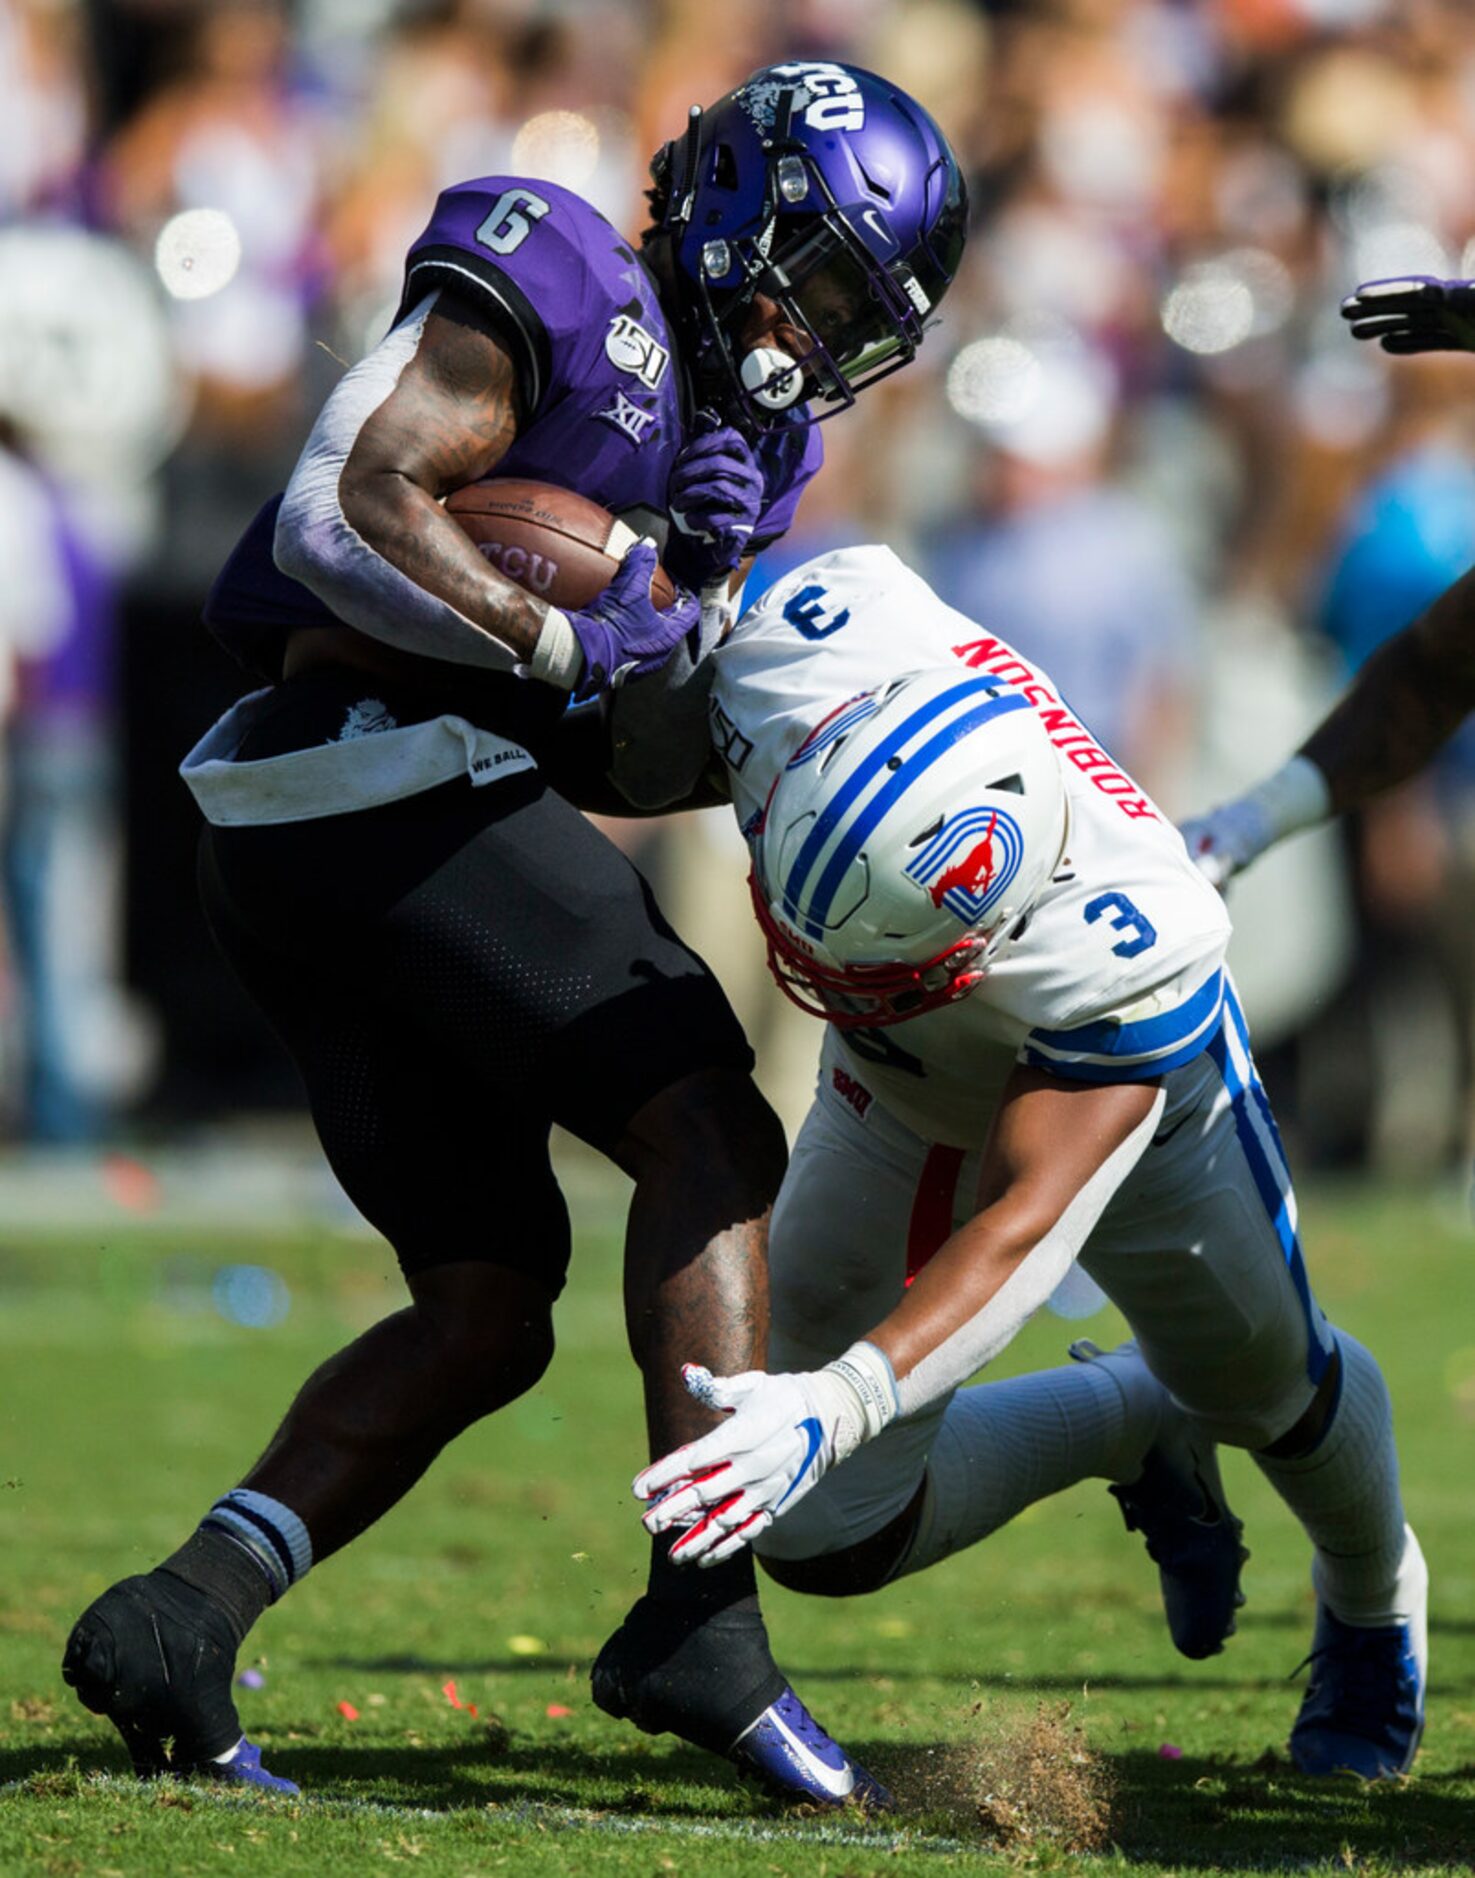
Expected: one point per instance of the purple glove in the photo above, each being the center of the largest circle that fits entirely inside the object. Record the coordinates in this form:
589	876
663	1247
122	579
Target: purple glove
1414	314
621	634
714	498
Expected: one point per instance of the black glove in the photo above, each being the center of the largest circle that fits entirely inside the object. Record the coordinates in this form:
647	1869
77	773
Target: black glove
1414	314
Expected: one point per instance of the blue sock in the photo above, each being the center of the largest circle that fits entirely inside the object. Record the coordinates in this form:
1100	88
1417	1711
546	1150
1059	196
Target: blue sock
272	1534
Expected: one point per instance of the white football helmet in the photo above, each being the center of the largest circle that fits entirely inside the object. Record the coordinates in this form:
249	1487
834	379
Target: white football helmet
905	839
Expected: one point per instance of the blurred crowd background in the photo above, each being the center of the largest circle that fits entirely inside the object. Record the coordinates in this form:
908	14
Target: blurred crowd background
1140	445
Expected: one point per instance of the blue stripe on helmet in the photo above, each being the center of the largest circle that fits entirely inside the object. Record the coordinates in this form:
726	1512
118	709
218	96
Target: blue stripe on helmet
896	785
827	734
829	817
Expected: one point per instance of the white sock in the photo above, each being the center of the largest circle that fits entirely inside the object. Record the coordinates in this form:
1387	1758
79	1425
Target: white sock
1345	1493
1004	1445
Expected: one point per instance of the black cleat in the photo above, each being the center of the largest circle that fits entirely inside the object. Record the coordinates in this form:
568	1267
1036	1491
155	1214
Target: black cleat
1178	1505
710	1678
156	1657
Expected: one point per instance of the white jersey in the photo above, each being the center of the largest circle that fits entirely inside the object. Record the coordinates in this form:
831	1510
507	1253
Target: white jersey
1116	975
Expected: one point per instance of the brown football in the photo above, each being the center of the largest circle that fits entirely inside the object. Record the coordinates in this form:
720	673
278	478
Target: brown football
560	546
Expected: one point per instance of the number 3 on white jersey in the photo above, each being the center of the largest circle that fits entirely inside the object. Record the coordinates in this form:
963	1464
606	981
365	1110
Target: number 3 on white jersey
1125	917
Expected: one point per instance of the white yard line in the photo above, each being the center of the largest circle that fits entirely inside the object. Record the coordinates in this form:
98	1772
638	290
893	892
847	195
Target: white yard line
567	1819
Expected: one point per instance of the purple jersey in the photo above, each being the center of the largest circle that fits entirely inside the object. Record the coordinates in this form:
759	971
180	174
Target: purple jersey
604	397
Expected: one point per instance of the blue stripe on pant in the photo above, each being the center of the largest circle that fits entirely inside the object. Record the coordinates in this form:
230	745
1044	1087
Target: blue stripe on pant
1273	1187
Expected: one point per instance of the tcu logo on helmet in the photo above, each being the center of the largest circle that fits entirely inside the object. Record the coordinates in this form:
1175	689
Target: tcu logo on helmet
969	863
834	100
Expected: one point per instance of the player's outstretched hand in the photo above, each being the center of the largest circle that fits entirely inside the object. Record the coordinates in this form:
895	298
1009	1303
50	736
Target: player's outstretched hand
622	634
1414	314
714	498
1227	839
1295	796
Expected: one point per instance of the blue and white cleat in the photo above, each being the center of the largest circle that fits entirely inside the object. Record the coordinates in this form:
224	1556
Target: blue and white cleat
243	1765
1177	1503
792	1756
1363	1711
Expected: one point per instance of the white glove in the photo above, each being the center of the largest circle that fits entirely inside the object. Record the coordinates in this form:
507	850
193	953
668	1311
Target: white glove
784	1432
1230	837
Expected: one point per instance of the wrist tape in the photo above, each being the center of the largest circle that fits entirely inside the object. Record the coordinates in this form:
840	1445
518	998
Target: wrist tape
868	1372
557	658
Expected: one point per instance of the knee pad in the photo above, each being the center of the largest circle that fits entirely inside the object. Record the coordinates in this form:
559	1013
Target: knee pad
865	1566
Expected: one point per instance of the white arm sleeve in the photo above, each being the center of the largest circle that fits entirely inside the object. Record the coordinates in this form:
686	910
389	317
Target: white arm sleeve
983	1336
315	544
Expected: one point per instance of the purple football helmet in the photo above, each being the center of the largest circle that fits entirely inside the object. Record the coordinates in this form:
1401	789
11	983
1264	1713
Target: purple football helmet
831	192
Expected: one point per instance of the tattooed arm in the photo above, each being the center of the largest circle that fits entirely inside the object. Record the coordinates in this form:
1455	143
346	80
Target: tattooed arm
1409	698
435	405
1405	703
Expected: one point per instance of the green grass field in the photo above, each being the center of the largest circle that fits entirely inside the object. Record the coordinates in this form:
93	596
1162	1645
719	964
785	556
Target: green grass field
129	1402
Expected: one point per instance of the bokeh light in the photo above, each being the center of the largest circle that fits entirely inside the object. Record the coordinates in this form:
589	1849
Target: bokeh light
197	253
1210	309
557	147
1039	392
251	1295
993	380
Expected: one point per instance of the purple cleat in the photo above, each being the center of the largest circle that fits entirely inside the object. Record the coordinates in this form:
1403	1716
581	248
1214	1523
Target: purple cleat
793	1757
243	1765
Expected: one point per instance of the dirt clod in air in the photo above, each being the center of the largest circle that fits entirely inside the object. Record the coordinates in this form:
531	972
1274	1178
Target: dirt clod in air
1022	1785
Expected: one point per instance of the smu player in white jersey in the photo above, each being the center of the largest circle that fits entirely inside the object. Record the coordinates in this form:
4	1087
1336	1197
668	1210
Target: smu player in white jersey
1033	1053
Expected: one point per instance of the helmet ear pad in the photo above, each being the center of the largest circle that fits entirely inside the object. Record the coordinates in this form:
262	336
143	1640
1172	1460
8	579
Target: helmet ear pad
772	377
897	861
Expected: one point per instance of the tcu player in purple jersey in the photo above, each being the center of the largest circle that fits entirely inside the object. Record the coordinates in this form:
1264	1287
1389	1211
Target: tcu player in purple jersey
455	958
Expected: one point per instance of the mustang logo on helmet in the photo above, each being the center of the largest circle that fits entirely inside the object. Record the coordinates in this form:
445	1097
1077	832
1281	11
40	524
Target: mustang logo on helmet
974	873
975	881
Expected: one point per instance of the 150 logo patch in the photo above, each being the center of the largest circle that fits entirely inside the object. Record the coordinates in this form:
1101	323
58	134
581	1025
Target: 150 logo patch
630	348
